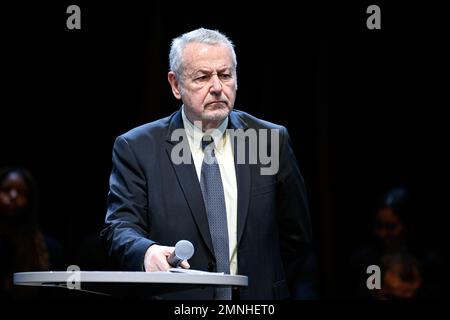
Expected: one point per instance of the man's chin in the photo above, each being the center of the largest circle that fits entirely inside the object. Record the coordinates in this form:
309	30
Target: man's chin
216	115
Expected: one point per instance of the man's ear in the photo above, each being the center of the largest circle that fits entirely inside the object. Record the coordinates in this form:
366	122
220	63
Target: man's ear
174	84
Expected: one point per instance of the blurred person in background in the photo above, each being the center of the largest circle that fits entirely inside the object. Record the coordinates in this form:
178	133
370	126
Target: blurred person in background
23	246
410	268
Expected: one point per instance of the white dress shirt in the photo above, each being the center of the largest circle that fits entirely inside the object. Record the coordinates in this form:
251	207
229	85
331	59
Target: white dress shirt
224	154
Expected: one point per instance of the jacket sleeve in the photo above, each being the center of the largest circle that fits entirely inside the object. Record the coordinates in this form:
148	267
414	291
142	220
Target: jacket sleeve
126	224
293	214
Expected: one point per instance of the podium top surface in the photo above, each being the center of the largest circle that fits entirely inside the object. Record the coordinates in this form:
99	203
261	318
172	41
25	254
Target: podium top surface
128	277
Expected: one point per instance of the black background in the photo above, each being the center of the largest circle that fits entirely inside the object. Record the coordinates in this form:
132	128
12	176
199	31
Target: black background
365	108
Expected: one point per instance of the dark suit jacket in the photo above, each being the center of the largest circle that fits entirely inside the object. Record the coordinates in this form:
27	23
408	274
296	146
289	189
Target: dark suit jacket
152	200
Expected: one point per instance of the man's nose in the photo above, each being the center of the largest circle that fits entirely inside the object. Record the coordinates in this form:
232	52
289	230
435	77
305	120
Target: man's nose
216	86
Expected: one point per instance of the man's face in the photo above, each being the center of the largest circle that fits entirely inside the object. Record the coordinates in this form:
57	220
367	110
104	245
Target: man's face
389	228
208	83
14	195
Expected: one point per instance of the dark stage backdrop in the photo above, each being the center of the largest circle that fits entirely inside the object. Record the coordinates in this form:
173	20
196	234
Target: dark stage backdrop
365	108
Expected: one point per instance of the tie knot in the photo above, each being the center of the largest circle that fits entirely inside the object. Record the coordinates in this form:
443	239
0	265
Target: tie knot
206	141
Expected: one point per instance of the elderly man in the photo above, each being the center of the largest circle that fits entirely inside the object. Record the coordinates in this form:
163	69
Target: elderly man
240	218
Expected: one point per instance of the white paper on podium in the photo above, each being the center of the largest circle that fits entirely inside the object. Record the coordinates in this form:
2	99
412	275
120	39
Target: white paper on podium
191	271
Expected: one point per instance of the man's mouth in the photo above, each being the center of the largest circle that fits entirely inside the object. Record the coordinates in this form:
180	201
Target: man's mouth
216	103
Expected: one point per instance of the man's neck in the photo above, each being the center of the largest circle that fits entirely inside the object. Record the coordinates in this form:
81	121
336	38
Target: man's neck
206	124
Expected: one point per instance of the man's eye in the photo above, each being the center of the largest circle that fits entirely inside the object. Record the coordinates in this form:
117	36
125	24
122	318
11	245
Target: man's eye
225	76
202	78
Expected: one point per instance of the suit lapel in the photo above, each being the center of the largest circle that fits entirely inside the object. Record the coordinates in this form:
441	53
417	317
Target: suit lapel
243	177
188	180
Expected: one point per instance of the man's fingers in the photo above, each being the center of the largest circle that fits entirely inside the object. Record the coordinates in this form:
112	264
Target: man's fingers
163	265
155	258
168	251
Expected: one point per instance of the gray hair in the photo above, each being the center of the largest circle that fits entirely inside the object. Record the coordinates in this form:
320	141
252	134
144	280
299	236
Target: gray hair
200	35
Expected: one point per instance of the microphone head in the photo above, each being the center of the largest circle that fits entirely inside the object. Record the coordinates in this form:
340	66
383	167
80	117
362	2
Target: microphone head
184	249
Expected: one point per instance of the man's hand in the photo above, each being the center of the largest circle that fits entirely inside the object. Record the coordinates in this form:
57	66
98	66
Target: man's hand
155	259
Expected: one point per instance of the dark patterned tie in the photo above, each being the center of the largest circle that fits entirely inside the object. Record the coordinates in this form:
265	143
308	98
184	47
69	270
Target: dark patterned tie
213	196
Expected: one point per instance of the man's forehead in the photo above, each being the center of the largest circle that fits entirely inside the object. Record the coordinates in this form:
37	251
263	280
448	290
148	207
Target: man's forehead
209	68
201	55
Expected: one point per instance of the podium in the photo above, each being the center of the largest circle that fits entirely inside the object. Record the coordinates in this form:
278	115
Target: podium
129	283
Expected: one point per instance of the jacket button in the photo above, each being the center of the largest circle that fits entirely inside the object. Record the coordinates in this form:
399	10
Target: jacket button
210	266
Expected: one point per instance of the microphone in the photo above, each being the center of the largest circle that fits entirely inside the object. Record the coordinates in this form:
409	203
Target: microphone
183	251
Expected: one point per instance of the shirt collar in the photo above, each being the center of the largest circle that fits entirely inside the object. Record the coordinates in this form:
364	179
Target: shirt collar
196	134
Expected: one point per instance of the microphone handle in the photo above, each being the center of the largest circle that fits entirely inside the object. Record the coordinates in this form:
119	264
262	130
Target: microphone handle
173	260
